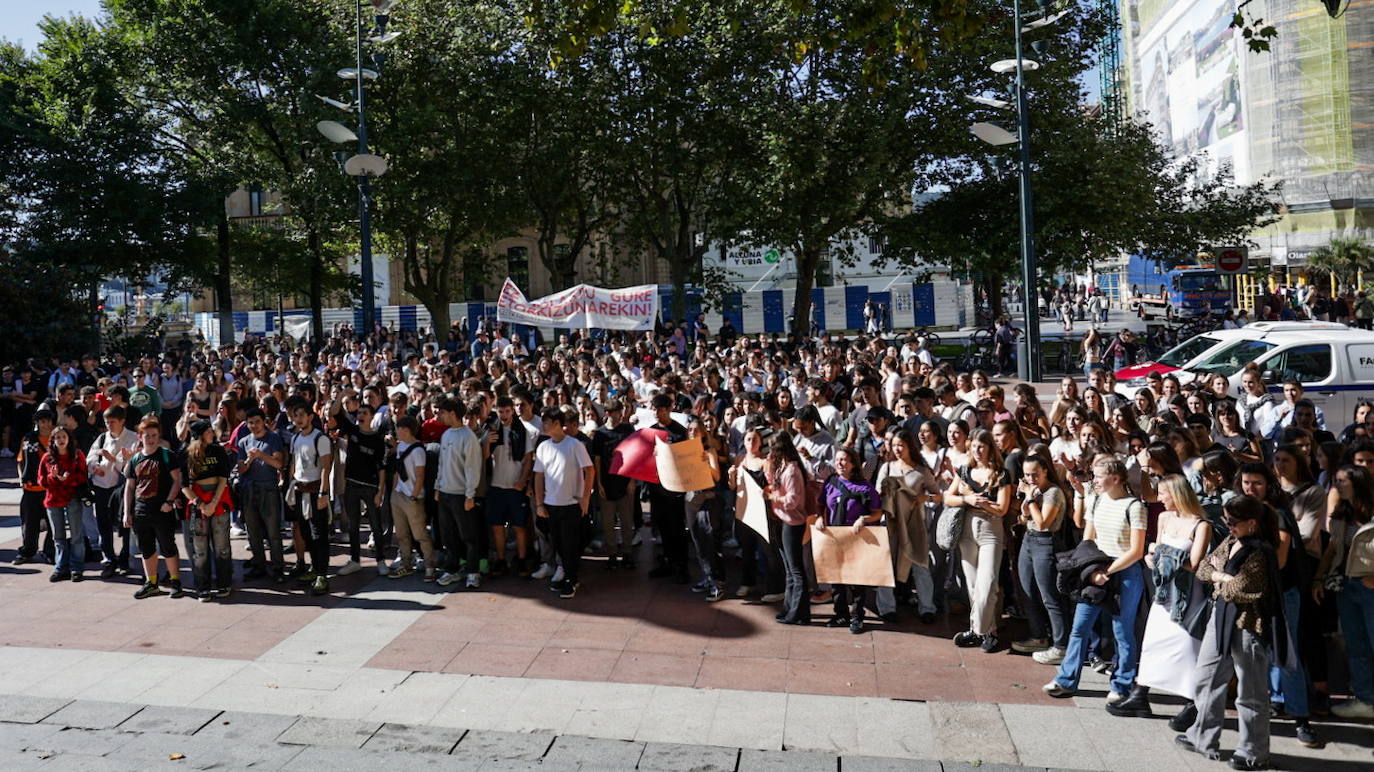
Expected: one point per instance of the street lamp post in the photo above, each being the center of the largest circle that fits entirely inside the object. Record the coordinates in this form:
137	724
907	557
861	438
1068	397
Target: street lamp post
365	193
1028	364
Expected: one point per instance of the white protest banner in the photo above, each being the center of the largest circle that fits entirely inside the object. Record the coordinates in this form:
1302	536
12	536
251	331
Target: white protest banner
583	306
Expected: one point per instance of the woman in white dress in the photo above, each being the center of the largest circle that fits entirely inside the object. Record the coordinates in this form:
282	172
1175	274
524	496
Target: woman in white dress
1169	652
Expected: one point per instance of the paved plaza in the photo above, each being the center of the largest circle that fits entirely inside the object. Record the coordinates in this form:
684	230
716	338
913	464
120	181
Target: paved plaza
633	673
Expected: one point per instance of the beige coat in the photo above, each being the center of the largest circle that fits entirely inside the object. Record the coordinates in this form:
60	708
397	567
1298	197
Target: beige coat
906	522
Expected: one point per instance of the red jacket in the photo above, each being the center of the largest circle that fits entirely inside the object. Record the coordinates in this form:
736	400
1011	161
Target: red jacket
59	492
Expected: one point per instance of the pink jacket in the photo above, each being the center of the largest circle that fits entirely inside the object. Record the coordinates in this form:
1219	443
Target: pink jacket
789	494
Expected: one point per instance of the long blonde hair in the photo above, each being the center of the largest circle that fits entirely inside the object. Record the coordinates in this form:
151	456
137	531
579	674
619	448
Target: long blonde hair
1185	500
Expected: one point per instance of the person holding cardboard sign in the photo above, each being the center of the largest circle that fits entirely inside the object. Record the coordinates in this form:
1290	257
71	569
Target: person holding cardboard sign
852	501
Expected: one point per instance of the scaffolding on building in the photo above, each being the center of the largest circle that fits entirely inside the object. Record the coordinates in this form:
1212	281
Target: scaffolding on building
1109	68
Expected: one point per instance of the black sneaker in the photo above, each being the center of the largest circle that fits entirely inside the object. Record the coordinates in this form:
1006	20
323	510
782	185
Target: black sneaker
59	576
1306	736
20	560
569	590
928	618
856	627
1240	762
256	572
612	562
967	639
177	590
990	643
838	622
662	571
148	590
107	571
498	568
77	576
224	592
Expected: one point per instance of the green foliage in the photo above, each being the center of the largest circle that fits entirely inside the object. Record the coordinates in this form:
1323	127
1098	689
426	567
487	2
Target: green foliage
1344	258
43	311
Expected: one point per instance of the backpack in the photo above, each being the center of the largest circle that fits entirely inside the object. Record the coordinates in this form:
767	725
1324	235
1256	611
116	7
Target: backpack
401	461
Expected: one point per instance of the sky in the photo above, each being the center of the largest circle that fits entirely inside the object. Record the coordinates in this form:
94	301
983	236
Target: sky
19	22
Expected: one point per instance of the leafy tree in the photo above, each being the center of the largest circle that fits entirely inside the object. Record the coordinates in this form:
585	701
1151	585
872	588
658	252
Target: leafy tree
448	112
233	82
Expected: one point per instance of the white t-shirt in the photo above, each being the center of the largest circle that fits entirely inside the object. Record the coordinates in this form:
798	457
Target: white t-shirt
105	474
306	450
561	463
413	464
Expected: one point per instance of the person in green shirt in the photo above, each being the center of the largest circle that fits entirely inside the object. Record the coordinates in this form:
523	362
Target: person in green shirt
143	396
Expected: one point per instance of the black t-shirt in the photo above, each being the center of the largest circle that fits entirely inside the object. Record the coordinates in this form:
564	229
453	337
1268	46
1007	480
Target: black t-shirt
604	443
215	463
366	452
151	477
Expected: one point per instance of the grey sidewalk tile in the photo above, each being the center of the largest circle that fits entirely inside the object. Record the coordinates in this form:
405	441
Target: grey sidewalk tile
84	742
410	738
71	761
93	714
1050	737
590	752
966	767
971	732
156	718
751	760
23	709
329	732
489	745
880	764
155	749
352	760
672	757
242	726
517	765
17	737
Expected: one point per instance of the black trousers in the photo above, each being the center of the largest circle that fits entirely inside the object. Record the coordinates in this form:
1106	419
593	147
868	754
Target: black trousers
109	519
670	517
565	531
359	497
316	521
462	532
849	601
32	516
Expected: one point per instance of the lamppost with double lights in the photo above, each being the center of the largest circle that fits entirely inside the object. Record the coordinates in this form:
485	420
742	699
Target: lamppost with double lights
1028	356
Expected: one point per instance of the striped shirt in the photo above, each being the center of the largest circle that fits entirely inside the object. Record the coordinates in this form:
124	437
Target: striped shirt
1113	520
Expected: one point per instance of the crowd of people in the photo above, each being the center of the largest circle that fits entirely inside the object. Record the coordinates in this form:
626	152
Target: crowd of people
1173	535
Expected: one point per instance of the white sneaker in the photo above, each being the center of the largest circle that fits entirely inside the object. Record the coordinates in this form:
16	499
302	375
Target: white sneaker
544	572
1353	708
1051	656
1115	697
1054	689
557	575
474	581
445	579
236	531
743	591
772	597
382	568
351	567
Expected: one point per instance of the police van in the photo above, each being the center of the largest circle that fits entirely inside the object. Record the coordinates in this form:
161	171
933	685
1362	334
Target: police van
1333	362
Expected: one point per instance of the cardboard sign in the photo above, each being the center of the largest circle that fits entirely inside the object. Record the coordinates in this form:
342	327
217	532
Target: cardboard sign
634	456
751	508
681	467
845	557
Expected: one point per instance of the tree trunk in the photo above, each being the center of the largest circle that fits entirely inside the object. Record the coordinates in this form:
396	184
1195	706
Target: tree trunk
808	260
317	289
993	283
224	294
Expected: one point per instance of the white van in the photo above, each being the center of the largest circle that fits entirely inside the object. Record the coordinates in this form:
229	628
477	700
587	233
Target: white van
1333	362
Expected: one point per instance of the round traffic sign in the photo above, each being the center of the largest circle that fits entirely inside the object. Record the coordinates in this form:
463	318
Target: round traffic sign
1230	260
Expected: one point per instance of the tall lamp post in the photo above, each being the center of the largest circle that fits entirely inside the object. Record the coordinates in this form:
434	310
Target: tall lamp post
1028	357
364	166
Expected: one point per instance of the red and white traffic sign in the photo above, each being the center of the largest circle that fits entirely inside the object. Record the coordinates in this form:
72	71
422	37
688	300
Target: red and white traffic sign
1232	259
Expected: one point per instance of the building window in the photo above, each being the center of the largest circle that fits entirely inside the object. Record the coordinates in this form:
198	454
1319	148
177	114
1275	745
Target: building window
518	267
875	245
256	199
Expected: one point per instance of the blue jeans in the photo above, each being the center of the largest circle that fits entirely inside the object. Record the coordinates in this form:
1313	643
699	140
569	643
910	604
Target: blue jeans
1290	686
1355	602
69	536
1131	583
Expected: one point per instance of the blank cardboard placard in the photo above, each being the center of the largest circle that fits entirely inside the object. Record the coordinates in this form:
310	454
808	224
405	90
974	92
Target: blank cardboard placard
634	456
845	557
751	508
681	466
